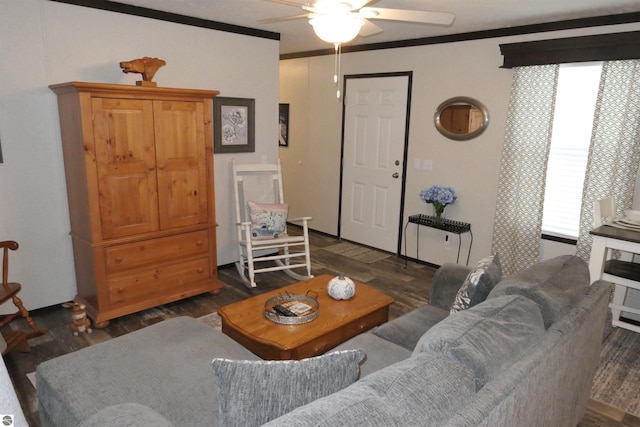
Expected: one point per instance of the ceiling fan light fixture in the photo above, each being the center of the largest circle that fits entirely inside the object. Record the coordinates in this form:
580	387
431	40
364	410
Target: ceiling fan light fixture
336	29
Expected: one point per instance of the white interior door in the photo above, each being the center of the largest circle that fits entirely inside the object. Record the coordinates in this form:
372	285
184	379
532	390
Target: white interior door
375	119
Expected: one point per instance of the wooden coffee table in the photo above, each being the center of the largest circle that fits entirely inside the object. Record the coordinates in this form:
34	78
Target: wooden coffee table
337	321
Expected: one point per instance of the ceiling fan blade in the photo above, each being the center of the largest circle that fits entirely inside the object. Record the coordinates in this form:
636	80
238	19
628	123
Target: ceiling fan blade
283	18
369	29
422	16
359	4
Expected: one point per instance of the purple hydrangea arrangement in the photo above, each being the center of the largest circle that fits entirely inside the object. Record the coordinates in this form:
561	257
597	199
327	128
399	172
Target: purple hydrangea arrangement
439	196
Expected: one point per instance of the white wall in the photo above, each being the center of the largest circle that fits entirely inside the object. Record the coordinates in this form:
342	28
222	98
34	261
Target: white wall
471	68
43	43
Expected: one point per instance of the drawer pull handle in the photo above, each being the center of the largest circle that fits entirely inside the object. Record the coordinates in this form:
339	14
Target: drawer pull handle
118	259
199	243
200	270
120	291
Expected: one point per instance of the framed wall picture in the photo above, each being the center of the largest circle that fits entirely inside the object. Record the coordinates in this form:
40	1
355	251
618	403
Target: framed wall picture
283	125
234	125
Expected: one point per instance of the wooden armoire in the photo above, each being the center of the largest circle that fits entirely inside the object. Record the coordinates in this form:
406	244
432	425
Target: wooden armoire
139	173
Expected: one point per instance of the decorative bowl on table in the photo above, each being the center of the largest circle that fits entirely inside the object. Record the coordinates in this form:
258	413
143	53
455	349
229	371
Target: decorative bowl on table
632	215
291	309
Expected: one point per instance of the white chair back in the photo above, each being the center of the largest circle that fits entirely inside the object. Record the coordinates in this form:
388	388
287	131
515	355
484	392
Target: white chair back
258	183
262	183
604	211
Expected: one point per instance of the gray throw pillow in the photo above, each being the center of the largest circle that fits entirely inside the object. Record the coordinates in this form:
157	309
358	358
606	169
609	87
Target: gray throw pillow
479	282
255	392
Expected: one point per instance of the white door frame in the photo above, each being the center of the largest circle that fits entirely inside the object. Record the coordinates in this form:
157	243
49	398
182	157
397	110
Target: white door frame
409	75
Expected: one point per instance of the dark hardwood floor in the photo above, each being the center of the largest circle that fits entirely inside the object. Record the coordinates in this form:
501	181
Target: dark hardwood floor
408	286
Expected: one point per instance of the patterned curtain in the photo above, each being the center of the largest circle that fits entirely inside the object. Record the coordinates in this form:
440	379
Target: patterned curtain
518	222
614	153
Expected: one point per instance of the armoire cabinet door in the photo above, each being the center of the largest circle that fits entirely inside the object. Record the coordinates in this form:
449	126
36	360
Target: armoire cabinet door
126	166
182	173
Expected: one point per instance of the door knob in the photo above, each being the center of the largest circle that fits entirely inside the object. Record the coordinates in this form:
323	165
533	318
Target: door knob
396	175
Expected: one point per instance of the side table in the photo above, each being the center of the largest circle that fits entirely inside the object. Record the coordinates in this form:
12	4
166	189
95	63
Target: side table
451	226
623	274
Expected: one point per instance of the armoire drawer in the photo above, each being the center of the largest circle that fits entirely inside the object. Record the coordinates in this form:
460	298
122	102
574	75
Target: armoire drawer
155	282
155	251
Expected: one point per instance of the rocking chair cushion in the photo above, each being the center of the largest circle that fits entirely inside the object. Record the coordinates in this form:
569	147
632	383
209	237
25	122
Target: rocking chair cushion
268	221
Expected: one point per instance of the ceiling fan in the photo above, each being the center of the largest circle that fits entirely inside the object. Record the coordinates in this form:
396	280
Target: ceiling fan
340	21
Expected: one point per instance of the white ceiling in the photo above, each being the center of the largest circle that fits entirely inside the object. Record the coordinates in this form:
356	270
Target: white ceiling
471	15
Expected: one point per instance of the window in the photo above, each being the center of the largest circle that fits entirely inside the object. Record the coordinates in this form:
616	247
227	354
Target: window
573	120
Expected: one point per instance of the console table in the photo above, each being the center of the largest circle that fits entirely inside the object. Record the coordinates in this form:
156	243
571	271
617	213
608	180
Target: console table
625	275
448	225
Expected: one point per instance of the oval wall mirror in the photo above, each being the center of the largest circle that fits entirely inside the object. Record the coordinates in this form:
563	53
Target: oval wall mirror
461	118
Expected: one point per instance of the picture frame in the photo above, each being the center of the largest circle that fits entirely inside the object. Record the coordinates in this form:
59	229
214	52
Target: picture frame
283	125
234	125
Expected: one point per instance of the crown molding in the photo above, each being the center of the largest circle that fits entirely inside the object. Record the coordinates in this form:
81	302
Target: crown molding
171	17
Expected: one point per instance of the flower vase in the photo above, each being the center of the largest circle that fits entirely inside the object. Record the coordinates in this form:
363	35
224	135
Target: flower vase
438	209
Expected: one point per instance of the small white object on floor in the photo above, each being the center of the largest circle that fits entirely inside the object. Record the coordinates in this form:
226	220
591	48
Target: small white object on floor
32	378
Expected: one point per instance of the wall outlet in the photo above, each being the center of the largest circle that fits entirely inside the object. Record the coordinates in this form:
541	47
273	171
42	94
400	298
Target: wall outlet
447	242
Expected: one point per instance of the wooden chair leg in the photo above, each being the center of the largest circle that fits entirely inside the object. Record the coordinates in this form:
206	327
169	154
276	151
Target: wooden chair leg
23	347
17	340
24	313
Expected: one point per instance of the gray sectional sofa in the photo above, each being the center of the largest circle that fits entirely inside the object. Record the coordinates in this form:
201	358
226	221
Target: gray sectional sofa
523	353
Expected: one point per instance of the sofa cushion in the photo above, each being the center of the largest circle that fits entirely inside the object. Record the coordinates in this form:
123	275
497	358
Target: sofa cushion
446	282
380	353
165	366
424	390
478	283
407	329
488	337
129	415
254	392
554	285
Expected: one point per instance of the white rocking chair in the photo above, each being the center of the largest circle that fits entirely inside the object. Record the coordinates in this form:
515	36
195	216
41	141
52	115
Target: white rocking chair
262	184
